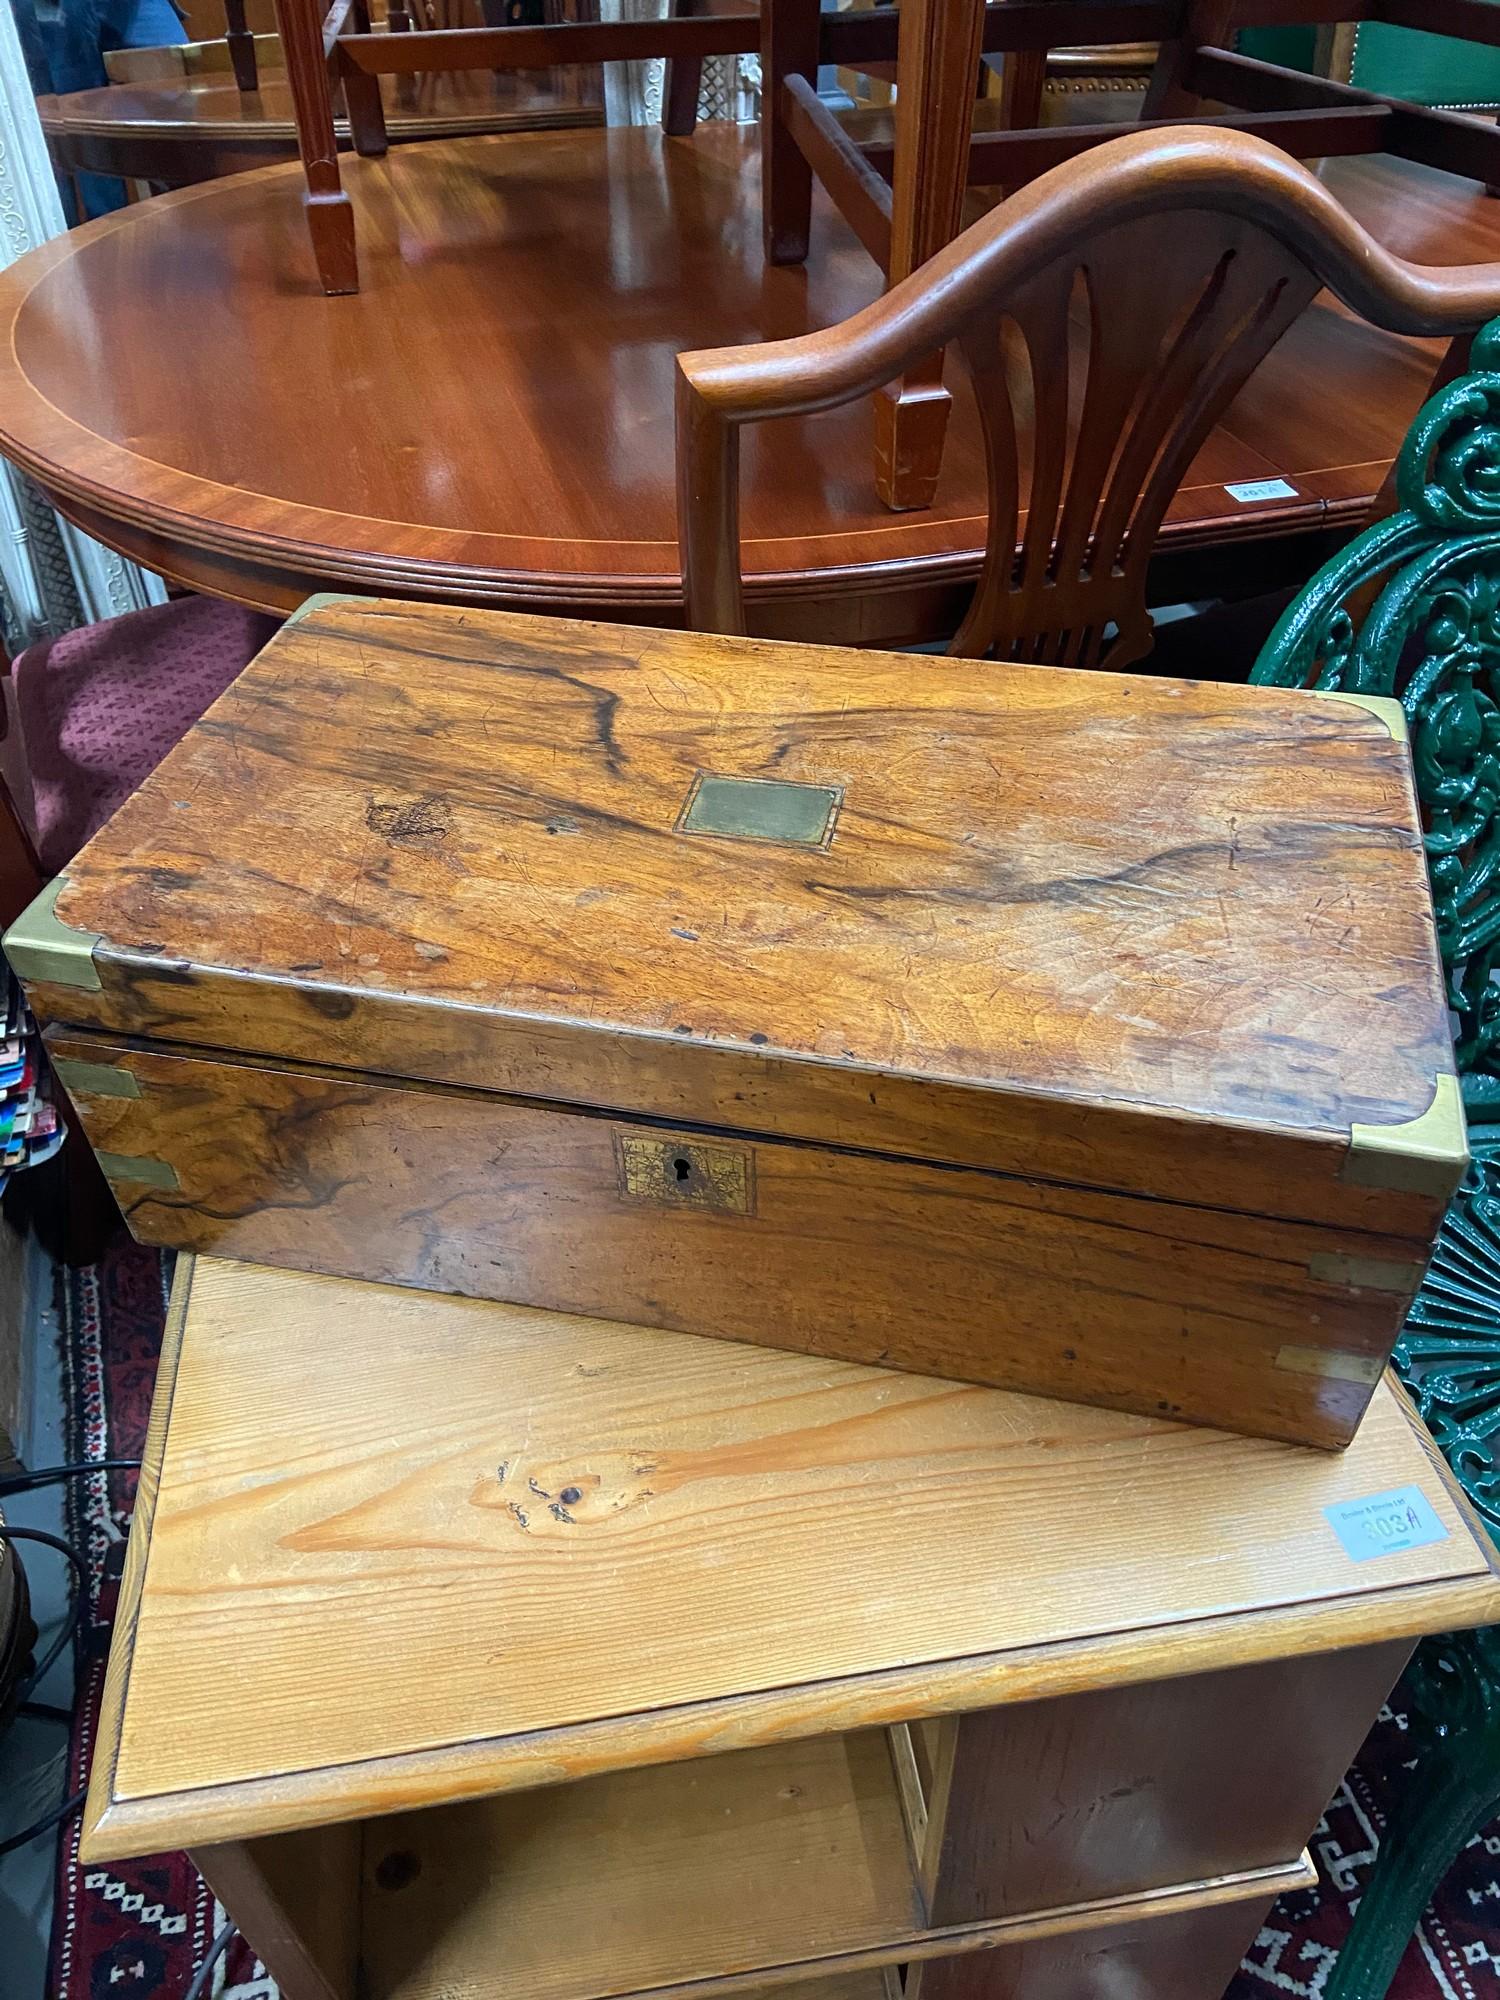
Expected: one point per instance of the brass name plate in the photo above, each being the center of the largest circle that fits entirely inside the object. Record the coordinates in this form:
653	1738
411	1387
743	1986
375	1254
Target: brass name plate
685	1173
761	809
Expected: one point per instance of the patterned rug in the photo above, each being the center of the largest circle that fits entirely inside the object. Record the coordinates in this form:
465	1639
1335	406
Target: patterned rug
135	1931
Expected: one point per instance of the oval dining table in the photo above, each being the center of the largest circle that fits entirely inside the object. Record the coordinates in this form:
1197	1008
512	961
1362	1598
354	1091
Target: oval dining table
489	419
179	130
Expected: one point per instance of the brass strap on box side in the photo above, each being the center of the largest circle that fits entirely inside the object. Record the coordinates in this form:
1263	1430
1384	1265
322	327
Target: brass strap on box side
90	1079
128	1167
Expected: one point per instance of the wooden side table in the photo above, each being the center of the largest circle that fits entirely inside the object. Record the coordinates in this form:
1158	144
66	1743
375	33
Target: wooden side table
438	1616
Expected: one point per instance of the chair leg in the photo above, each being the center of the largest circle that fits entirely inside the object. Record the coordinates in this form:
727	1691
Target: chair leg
1208	24
789	34
362	97
1455	1789
330	217
937	60
684	82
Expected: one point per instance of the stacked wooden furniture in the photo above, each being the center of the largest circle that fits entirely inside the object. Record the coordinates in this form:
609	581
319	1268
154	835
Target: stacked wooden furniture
1107	316
553	489
476	1650
337	50
936	156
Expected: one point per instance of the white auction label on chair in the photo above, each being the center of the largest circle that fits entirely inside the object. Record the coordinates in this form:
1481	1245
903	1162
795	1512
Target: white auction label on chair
1248	490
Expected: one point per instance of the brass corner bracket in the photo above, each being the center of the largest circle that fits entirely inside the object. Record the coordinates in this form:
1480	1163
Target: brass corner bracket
42	949
1384	707
1427	1155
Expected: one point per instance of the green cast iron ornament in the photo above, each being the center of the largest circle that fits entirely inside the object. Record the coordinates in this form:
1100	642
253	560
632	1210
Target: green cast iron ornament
1412	609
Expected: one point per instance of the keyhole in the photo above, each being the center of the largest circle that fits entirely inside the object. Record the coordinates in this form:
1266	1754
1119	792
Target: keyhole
682	1168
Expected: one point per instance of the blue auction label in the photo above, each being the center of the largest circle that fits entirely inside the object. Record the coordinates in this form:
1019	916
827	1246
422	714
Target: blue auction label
1385	1523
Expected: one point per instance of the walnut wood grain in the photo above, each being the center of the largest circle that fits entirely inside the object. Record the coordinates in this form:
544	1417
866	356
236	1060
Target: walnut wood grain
1152	1306
1187	253
442	845
554	488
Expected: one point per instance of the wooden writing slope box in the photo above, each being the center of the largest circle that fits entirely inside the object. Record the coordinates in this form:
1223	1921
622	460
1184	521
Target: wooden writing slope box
1040	1702
1063	1031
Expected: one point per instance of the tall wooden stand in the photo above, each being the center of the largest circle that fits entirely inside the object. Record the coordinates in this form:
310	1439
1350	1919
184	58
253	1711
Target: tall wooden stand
490	1651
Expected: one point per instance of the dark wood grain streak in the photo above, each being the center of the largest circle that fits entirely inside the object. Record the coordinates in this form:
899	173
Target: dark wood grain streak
442	844
1086	930
1148	1306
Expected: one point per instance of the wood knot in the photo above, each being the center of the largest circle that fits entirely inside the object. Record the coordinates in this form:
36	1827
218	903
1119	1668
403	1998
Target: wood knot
428	818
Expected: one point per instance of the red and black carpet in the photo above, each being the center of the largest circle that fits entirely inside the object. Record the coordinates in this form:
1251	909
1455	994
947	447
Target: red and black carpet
136	1931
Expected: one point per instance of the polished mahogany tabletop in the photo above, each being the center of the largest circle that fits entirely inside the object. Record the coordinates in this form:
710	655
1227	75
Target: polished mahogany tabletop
183	129
489	419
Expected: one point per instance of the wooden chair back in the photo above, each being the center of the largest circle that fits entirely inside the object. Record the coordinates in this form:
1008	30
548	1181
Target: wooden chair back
1107	314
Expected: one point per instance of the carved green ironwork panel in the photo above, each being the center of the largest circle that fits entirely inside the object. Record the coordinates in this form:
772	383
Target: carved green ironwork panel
1412	609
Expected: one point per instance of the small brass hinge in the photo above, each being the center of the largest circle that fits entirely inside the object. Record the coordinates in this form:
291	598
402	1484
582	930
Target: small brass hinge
1427	1155
1365	1274
42	949
1336	1364
128	1167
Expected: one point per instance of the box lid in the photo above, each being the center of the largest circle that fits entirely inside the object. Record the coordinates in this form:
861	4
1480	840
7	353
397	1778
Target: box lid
1163	936
461	1575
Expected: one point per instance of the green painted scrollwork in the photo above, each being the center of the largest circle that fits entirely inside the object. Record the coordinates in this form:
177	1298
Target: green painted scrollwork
1412	608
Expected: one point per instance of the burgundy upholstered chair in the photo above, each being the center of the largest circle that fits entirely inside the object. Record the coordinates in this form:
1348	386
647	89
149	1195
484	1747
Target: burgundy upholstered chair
86	718
93	713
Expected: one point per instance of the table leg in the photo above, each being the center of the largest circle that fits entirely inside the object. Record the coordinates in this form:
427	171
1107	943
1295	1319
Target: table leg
295	1897
788	47
330	217
241	46
937	65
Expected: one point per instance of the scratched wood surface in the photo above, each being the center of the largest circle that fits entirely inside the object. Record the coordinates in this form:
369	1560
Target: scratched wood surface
461	1574
1132	933
1257	1324
1191	1957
